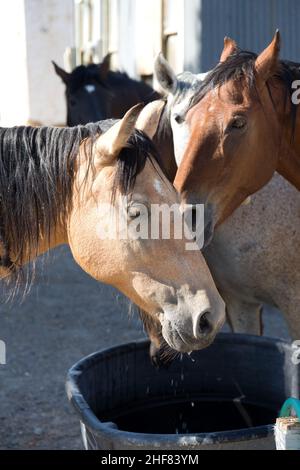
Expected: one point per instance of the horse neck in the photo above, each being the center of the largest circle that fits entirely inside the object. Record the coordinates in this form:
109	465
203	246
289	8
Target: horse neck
57	237
36	188
10	255
277	101
289	163
46	242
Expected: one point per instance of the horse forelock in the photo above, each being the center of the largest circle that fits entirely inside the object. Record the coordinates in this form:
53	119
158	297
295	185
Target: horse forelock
242	65
238	65
85	75
131	162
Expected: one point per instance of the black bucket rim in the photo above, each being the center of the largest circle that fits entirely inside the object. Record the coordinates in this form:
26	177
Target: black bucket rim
92	422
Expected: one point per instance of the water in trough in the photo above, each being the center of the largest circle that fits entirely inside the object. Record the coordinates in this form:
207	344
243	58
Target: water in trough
197	416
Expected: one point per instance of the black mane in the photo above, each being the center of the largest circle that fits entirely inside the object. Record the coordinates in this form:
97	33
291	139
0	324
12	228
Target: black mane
242	65
37	170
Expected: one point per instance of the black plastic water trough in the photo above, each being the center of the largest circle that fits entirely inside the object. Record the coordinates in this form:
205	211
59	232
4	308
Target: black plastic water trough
224	397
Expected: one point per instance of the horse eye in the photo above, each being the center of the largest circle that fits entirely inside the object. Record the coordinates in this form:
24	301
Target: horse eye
179	119
238	122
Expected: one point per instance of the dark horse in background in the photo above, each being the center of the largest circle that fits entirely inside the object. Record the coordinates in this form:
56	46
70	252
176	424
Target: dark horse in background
95	93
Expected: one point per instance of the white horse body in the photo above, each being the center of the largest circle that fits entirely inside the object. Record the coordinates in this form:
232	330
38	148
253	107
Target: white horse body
255	258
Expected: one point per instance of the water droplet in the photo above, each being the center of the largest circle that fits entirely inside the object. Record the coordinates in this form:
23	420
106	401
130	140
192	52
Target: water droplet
190	356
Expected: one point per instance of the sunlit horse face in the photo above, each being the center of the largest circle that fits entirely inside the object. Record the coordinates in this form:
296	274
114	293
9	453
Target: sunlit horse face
171	284
87	94
231	131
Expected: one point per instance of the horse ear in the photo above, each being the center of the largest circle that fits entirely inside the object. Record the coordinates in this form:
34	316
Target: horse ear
202	76
104	67
165	75
230	47
149	118
267	62
65	76
110	144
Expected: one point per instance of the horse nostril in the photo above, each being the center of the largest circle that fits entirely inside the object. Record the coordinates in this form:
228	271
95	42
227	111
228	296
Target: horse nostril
203	325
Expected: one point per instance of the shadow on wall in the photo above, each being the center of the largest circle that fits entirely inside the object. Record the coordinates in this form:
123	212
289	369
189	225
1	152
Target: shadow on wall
251	23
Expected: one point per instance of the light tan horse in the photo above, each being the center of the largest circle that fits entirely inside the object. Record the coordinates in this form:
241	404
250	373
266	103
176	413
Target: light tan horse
54	184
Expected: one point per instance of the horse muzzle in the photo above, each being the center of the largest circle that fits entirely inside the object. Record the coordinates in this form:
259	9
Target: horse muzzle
195	332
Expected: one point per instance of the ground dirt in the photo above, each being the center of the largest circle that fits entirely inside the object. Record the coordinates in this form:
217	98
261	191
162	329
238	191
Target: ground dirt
66	316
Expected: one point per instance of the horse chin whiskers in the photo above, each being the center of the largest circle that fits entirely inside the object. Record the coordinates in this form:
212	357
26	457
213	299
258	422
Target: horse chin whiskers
175	340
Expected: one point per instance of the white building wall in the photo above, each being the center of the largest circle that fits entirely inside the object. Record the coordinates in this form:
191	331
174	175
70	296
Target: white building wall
139	35
148	34
127	36
32	33
145	28
49	31
14	97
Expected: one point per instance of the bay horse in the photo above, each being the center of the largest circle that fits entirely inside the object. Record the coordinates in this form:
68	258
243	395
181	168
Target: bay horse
243	126
252	260
54	183
95	93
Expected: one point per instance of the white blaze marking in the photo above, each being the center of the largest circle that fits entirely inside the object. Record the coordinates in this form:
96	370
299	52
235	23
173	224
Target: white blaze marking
181	138
90	88
181	132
